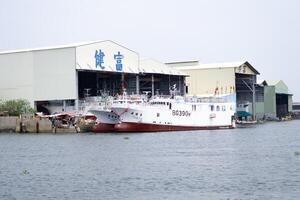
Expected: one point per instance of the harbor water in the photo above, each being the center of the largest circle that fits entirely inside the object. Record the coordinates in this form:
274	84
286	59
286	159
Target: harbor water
260	162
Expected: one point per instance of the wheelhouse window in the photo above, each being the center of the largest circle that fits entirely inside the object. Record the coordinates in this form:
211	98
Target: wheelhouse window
223	108
193	107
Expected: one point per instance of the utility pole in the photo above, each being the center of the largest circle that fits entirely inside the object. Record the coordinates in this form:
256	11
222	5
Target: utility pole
253	98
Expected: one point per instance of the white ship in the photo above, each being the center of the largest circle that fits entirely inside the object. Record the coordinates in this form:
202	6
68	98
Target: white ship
106	118
100	107
174	114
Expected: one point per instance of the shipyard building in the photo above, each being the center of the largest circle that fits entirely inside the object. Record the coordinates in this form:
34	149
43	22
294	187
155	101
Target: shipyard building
236	79
60	77
278	100
254	99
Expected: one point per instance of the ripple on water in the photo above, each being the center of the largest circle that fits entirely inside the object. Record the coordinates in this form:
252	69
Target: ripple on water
255	163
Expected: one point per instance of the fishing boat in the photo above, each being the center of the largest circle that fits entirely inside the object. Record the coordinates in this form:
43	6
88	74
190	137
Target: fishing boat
175	113
106	118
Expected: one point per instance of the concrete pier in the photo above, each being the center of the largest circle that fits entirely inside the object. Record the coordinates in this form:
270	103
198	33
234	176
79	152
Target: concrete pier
30	125
8	124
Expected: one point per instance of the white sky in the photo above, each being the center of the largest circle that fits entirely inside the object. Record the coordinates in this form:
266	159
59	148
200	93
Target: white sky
264	32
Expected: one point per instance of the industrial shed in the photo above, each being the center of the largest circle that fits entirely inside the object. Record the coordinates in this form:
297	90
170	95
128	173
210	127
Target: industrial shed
277	99
237	79
59	77
158	78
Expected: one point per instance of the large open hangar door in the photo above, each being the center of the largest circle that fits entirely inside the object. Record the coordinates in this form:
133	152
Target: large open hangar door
105	83
245	94
160	84
281	105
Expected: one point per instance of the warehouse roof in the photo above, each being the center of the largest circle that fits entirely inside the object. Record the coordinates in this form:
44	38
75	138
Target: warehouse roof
280	86
262	82
189	65
145	66
155	67
183	63
59	47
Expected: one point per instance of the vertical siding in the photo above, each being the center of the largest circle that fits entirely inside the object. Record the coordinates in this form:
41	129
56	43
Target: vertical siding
38	75
55	74
260	109
16	76
270	100
290	103
281	87
205	81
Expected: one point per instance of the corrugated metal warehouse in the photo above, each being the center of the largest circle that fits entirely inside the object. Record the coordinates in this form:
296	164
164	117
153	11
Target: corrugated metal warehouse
61	76
237	78
278	99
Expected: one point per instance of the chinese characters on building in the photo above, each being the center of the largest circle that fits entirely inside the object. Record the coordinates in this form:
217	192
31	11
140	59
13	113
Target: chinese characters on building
118	57
99	60
99	55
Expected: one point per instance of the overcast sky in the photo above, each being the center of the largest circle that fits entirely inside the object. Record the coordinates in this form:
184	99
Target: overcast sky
264	32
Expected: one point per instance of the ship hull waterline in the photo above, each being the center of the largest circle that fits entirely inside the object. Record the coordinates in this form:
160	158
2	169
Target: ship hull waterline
103	128
143	127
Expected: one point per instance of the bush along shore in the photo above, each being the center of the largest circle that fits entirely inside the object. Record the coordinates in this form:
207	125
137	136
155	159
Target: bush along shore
18	116
15	108
11	112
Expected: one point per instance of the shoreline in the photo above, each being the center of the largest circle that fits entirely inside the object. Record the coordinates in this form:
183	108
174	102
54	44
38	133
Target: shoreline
42	126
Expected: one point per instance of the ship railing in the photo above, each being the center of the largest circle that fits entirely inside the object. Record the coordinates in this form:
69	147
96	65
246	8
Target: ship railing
190	99
130	99
208	100
95	102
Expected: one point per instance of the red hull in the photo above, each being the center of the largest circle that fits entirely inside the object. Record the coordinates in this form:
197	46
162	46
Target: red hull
103	128
141	127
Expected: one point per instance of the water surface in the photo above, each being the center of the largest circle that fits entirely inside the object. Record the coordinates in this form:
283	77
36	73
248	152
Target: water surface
249	163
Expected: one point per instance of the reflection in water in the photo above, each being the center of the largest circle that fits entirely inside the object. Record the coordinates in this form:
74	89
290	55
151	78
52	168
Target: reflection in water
254	163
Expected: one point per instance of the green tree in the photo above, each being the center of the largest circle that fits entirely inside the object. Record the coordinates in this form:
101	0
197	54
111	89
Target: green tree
16	107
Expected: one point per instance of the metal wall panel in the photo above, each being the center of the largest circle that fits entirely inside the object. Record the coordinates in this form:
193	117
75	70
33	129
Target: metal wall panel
281	88
16	76
106	56
290	103
54	74
270	100
206	81
244	69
